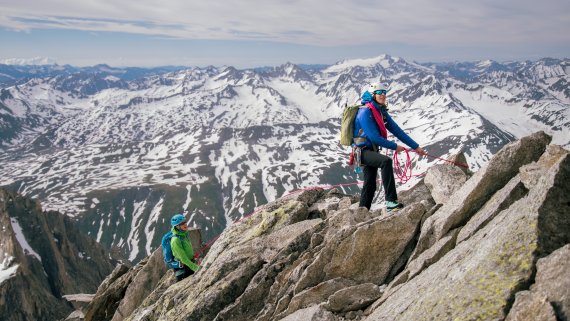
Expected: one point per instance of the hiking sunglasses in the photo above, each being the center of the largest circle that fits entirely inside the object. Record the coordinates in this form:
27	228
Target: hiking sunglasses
380	92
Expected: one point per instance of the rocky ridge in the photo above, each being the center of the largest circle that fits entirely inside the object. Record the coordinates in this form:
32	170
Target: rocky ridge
46	263
496	249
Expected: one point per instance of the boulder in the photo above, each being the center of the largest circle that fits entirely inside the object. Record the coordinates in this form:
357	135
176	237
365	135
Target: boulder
347	218
516	188
553	279
433	254
307	197
289	240
479	278
365	252
317	294
419	192
531	307
480	187
272	244
313	313
513	191
549	296
76	315
79	300
110	293
290	213
345	202
283	288
142	285
205	304
322	208
531	173
460	158
354	297
444	180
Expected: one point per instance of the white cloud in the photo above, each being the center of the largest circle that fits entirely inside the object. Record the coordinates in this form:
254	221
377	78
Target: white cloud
319	22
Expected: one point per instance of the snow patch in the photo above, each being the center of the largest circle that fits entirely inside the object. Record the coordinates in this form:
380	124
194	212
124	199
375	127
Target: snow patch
7	273
112	78
28	250
79	297
133	238
149	231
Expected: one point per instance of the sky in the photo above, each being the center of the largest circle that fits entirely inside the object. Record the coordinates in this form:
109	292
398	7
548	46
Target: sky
254	33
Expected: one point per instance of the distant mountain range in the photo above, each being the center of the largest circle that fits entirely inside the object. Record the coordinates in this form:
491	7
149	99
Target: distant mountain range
36	61
122	149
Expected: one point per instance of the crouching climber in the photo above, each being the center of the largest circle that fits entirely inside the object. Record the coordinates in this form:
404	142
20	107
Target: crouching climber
177	249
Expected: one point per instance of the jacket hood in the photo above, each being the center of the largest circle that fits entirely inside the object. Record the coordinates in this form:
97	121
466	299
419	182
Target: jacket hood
177	232
366	97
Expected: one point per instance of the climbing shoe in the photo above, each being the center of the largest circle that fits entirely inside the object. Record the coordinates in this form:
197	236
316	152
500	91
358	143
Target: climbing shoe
393	206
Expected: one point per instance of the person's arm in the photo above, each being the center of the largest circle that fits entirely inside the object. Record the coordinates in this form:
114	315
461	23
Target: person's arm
371	130
399	133
181	255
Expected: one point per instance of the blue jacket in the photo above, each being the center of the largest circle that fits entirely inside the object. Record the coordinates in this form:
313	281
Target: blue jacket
365	120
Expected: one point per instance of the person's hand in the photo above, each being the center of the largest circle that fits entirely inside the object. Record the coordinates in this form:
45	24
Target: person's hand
420	151
400	148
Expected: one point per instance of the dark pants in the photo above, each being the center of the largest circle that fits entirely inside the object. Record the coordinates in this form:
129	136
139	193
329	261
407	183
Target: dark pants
183	273
371	161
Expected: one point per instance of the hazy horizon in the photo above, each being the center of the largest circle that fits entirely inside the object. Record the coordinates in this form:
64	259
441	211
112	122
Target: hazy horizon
150	33
52	62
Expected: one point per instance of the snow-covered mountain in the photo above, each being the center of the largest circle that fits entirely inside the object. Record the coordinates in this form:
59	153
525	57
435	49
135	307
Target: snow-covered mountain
122	154
17	74
41	61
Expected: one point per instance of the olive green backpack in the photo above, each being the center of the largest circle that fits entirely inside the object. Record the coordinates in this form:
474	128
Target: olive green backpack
347	124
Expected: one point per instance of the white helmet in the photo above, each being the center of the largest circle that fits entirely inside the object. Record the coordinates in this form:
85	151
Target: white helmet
377	86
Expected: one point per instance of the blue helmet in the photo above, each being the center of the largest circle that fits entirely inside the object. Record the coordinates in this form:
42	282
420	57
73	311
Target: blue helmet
177	219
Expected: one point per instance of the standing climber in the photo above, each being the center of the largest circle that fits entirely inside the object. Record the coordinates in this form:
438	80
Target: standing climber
182	248
370	135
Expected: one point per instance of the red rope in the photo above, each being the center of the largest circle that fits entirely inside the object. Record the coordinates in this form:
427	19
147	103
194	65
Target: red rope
404	173
446	160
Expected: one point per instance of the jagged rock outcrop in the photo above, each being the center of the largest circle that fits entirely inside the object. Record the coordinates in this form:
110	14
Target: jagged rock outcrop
549	296
480	187
44	257
126	288
354	298
443	180
477	280
317	256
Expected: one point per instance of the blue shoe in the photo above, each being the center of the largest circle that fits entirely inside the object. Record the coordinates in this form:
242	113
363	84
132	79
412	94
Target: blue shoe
393	206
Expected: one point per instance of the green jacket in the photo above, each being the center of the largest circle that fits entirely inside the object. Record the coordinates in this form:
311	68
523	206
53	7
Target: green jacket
182	249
